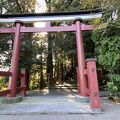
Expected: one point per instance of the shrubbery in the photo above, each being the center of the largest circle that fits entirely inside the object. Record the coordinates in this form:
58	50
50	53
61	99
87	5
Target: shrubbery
107	47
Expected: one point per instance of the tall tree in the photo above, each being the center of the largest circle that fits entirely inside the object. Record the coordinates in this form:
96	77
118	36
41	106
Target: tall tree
50	55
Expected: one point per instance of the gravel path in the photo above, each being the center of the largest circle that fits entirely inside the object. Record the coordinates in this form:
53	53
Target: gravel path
111	111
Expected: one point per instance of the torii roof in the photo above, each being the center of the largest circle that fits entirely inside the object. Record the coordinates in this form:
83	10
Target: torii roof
43	17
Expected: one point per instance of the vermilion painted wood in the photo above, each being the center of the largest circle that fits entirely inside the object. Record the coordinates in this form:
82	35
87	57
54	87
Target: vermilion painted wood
15	62
23	83
4	73
21	74
93	84
7	30
87	27
4	92
81	60
19	89
23	86
87	91
71	28
78	82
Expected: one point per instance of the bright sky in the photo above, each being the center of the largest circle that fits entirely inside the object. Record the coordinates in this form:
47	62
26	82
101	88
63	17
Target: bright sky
39	8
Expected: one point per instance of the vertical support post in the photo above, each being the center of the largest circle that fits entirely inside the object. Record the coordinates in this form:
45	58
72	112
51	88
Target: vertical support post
93	84
81	60
15	61
78	81
23	82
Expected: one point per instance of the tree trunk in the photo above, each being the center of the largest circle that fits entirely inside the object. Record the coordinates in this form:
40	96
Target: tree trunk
27	59
57	71
41	85
61	71
50	62
1	7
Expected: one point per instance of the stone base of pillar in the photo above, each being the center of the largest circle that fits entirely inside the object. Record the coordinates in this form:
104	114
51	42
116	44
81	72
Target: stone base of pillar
6	100
96	110
82	99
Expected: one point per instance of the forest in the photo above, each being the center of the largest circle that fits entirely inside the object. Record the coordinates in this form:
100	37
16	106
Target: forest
52	56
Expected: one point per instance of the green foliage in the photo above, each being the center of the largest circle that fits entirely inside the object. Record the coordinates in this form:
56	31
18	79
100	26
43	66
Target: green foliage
107	42
88	44
90	4
18	6
113	86
5	49
3	83
109	7
73	5
107	48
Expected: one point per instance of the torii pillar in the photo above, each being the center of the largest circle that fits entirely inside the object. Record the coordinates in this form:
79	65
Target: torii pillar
15	61
82	84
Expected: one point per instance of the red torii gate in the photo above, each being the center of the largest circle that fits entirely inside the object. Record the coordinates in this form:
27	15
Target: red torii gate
86	70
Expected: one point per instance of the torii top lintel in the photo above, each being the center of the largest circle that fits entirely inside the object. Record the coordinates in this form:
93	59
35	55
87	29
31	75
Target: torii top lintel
44	17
